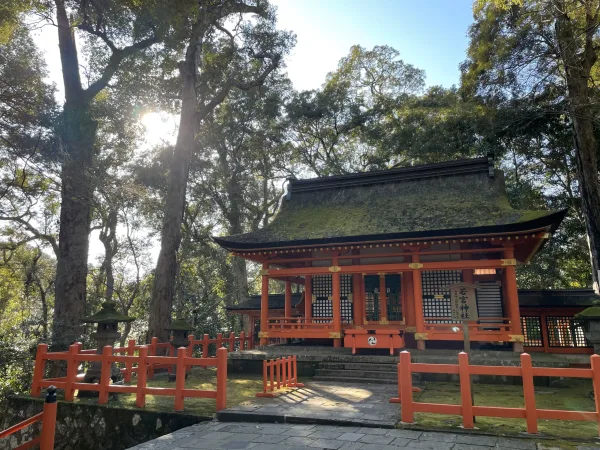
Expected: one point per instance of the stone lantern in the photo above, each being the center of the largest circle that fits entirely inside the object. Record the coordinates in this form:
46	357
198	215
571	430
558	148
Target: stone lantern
590	318
180	329
107	333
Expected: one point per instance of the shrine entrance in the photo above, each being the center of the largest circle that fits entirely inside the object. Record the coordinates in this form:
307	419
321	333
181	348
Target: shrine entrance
383	298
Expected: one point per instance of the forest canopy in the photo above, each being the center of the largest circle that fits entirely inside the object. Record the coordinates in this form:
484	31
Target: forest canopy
76	169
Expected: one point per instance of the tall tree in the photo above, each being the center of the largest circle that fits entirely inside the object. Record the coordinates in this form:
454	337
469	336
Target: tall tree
328	125
527	50
123	29
224	50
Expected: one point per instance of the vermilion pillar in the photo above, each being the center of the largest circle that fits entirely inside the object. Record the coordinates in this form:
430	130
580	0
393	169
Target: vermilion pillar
382	300
308	297
409	310
420	334
335	296
264	305
512	298
288	299
357	308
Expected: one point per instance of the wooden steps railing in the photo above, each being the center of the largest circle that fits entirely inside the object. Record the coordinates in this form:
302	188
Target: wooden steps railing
48	418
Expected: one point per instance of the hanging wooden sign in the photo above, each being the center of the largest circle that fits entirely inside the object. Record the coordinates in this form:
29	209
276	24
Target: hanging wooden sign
463	301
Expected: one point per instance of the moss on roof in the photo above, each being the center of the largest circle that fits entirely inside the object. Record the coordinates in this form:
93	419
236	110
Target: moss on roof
108	313
590	313
407	206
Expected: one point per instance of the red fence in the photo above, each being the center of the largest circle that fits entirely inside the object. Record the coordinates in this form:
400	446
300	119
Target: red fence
48	419
143	364
279	373
468	411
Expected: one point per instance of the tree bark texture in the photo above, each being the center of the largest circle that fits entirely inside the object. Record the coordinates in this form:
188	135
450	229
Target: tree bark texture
163	290
578	61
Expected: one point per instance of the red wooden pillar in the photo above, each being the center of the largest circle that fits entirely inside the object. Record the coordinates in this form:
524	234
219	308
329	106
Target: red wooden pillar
288	299
409	310
512	298
382	300
357	308
308	298
264	305
335	294
420	334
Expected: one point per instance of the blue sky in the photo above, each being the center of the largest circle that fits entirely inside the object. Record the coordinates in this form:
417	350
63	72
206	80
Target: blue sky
430	34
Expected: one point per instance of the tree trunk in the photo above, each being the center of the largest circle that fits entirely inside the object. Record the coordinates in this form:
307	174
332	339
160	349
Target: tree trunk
77	139
578	63
166	268
75	217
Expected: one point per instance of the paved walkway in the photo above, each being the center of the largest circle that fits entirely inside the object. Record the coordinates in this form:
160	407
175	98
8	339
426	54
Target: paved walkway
324	402
233	436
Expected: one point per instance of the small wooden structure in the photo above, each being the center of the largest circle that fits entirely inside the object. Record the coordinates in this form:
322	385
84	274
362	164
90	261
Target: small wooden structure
382	251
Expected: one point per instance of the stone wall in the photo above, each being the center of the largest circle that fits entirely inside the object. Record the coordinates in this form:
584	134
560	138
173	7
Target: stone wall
93	427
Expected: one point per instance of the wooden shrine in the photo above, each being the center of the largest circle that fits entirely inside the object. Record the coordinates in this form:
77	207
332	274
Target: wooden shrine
395	258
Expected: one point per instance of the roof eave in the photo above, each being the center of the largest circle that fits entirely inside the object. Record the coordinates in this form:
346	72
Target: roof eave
549	222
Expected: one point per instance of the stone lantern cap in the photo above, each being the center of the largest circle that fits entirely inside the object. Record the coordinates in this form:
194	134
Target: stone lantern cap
180	325
591	313
107	314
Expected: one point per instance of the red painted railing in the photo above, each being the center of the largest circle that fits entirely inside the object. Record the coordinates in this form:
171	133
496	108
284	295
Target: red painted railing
279	373
48	419
143	364
468	411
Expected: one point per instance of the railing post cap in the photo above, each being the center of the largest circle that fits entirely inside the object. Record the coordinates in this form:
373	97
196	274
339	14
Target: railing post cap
51	394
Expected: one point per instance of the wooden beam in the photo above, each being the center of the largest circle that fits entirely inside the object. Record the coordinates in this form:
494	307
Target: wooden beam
391	268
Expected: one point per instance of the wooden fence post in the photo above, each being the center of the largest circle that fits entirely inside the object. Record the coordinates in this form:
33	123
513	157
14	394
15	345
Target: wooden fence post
205	346
595	362
49	420
190	351
153	349
465	390
107	352
71	372
219	341
529	393
273	369
264	376
406	386
231	342
39	369
140	394
180	378
221	379
129	363
242	340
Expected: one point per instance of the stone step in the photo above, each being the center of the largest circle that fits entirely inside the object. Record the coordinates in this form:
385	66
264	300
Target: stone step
342	379
356	374
360	366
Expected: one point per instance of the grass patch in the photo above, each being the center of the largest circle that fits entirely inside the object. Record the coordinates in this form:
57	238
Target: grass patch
574	397
240	388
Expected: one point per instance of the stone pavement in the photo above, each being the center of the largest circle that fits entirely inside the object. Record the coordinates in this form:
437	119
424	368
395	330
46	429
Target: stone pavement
323	402
233	436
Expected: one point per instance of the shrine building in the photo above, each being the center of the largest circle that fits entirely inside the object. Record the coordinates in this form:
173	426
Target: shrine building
399	258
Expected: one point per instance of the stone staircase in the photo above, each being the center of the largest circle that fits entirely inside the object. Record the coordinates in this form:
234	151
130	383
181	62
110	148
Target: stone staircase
351	372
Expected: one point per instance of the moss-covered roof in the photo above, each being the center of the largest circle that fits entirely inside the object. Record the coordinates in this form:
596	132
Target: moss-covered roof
592	313
435	200
108	313
180	325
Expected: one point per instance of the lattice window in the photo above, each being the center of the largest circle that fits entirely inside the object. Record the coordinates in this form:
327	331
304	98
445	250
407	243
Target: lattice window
323	305
564	332
532	330
436	297
372	305
393	286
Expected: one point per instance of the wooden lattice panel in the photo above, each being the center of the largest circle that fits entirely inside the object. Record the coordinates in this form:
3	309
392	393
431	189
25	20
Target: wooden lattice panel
436	297
322	290
532	330
564	332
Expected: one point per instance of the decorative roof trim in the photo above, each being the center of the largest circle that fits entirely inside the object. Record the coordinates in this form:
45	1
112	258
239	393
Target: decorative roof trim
451	168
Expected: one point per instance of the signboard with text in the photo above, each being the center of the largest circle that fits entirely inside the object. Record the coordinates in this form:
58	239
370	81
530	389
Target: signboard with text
463	300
